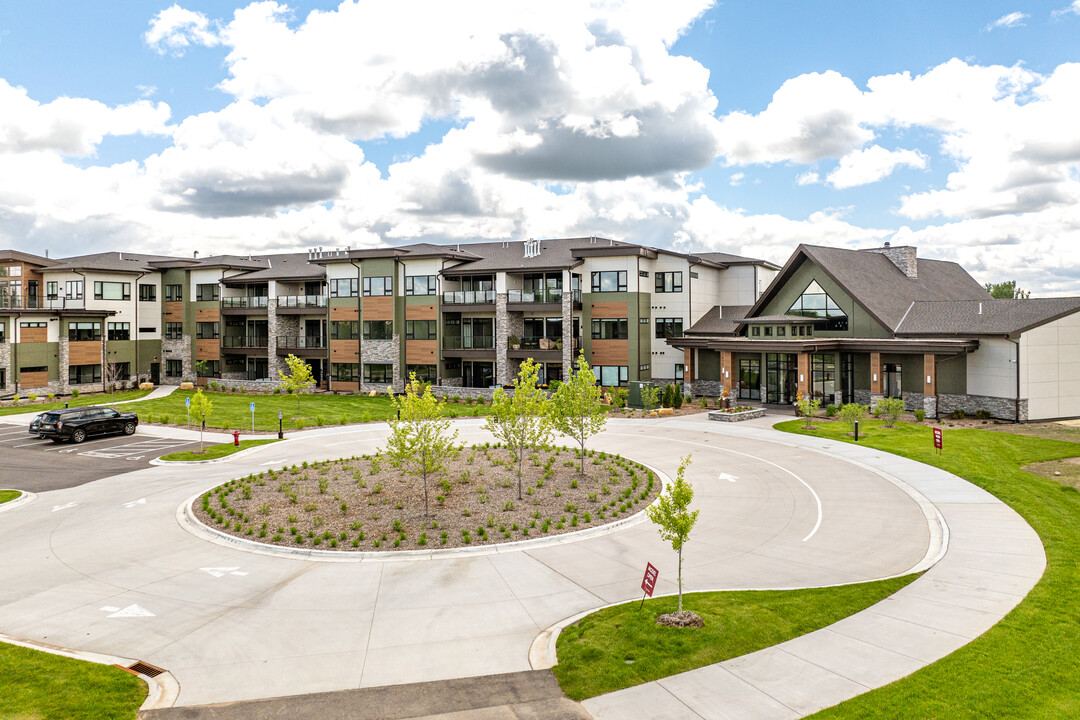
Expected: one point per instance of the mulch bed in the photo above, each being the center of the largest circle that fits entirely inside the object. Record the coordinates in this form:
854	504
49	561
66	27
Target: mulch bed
364	503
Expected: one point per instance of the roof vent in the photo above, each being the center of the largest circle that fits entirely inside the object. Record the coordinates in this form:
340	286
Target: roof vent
532	248
980	308
592	240
195	255
121	255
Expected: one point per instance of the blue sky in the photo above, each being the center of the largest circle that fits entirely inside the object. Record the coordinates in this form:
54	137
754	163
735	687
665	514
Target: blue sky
740	126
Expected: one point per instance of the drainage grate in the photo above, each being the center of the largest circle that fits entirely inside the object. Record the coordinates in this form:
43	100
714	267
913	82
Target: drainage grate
145	669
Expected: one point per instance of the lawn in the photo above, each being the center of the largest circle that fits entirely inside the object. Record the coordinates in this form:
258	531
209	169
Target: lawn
1028	665
107	399
42	685
231	411
622	646
216	451
9	495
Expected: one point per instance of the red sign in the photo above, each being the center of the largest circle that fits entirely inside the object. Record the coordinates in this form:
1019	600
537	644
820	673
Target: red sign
937	438
649	581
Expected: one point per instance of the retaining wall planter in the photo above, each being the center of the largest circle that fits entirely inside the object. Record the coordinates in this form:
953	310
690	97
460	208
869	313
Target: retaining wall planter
726	416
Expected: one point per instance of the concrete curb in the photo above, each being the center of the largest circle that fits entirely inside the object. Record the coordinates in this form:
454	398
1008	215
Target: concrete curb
185	518
162	691
25	499
214	461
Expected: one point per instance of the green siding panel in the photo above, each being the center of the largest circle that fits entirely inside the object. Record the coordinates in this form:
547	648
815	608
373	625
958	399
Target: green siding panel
860	324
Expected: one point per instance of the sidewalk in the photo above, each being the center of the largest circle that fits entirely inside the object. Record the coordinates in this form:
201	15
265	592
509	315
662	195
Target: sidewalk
19	418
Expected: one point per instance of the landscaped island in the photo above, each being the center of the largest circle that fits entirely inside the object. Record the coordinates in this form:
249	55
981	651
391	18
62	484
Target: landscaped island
365	503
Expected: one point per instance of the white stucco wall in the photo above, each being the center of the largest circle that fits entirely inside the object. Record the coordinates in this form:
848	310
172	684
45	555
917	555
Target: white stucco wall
991	370
1050	369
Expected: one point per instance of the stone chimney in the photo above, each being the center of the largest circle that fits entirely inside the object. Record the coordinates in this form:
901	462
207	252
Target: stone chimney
903	257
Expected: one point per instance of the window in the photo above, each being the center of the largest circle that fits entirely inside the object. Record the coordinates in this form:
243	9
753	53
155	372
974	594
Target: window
3	331
344	330
3	378
750	379
378	330
35	369
768	331
12	271
382	374
643	368
420	285
52	290
424	373
84	331
679	371
376	286
235	363
669	282
207	330
892	377
780	331
33	324
420	329
174	368
74	289
343	287
79	374
258	368
147	293
119	371
119	331
816	303
611	375
609	281
148	329
207	292
174	331
755	331
610	329
174	293
112	290
668	327
345	372
208	368
823	377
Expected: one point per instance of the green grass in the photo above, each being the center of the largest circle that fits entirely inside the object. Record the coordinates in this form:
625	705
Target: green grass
107	399
1028	665
8	495
41	685
231	410
595	653
217	451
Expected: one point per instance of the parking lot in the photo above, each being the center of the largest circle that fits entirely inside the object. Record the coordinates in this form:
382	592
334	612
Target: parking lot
36	465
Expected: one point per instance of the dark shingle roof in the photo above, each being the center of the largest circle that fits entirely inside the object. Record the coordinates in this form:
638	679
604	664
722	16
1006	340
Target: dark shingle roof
19	256
719	321
729	259
509	255
109	262
280	267
985	317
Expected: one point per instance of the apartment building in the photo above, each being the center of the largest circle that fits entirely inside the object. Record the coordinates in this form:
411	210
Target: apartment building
457	315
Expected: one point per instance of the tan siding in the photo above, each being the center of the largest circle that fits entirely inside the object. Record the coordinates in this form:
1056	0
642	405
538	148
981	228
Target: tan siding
420	312
929	387
207	350
420	352
344	313
610	310
345	351
33	379
84	353
875	373
205	315
344	386
804	373
30	335
174	312
610	352
378	308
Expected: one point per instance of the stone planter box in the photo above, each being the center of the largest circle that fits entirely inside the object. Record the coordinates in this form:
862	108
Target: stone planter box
737	416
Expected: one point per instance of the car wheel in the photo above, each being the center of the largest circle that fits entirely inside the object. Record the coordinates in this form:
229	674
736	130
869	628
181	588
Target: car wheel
78	435
129	428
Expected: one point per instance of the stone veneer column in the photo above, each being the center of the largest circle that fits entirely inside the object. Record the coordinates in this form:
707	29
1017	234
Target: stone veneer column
502	332
178	349
275	364
568	356
929	400
62	380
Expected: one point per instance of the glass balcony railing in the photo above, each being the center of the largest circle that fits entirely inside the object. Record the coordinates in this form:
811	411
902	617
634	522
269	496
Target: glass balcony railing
546	295
483	342
245	341
245	302
16	301
301	301
469	297
310	342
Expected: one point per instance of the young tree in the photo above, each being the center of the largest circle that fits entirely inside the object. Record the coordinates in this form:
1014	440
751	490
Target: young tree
852	413
111	376
576	410
806	407
420	439
201	408
889	408
650	399
1006	291
671	512
520	421
299	378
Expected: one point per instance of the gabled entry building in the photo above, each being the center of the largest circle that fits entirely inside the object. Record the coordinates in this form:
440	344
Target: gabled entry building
856	325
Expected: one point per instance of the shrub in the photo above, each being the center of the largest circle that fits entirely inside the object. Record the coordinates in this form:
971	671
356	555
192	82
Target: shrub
807	408
958	414
920	415
981	414
51	396
33	397
890	409
704	402
74	393
852	412
830	410
677	397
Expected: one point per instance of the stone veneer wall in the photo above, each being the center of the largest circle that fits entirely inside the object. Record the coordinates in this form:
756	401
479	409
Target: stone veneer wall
502	332
243	383
568	358
451	390
1001	408
173	349
913	401
712	388
279	326
382	352
5	363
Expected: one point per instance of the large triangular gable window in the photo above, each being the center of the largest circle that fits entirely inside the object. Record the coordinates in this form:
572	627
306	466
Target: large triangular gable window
816	303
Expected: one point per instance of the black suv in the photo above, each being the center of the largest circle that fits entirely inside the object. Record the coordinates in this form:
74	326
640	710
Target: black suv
77	424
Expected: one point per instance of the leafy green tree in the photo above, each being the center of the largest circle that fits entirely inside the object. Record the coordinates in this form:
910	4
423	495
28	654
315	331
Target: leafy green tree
650	398
520	421
576	410
201	408
851	413
202	368
1006	291
299	378
889	408
807	407
671	513
420	438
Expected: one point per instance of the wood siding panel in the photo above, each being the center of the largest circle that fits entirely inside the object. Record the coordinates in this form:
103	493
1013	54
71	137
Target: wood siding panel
688	365
345	351
421	352
421	312
205	315
728	373
930	373
33	379
344	386
174	312
610	352
610	310
29	335
378	308
804	374
84	353
875	373
344	313
207	350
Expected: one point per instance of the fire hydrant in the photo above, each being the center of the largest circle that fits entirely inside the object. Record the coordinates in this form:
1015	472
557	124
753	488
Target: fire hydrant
236	438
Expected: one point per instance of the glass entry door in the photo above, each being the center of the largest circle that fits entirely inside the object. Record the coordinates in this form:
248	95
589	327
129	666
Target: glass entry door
750	379
781	378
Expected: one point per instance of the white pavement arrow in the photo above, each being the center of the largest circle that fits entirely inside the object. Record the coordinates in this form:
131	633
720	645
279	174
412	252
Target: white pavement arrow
729	478
129	611
133	503
273	462
64	507
223	571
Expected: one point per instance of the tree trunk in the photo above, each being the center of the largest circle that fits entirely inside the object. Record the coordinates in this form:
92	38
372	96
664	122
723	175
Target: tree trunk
680	579
424	458
521	455
581	470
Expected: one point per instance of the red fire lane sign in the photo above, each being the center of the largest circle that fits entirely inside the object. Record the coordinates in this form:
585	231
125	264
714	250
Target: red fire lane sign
937	438
649	581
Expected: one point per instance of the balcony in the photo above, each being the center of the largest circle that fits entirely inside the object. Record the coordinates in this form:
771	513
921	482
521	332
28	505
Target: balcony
469	297
245	305
304	346
245	342
478	346
552	297
299	304
15	301
539	348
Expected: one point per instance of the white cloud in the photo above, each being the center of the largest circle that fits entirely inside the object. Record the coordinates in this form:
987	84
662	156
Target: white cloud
807	178
1072	9
737	179
1013	19
871	164
174	29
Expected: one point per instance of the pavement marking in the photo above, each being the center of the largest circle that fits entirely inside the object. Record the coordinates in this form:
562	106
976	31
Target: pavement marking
223	571
26	445
119	451
64	507
17	439
133	503
272	462
132	610
728	477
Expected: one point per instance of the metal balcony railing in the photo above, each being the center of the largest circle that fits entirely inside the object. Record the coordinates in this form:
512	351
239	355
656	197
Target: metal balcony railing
245	341
301	301
245	302
16	301
482	342
469	297
539	343
310	342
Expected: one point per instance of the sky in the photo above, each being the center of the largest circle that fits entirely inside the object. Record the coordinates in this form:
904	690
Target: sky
741	126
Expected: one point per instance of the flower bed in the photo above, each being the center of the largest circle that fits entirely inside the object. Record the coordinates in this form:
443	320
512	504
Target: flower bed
737	413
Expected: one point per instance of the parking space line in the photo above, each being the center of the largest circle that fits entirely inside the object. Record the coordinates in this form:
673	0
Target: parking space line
31	444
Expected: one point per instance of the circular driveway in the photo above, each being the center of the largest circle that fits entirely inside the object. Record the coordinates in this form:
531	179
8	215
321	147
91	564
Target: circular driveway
105	567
